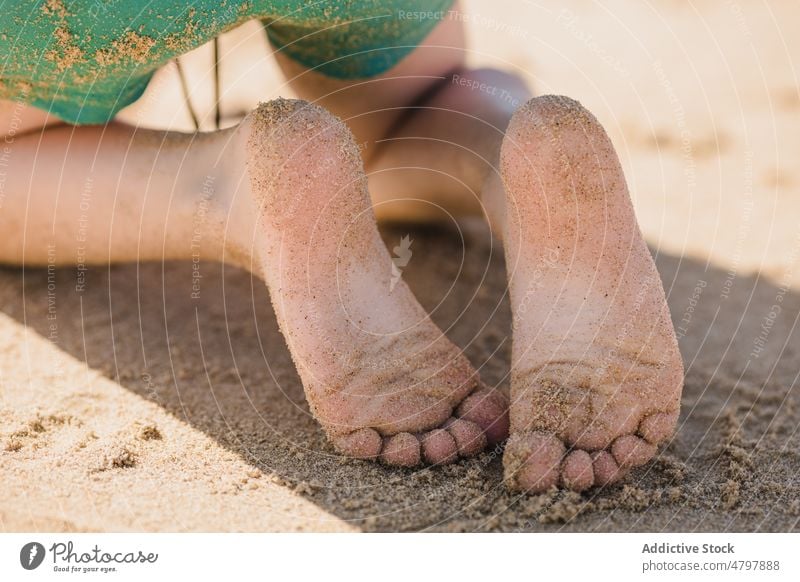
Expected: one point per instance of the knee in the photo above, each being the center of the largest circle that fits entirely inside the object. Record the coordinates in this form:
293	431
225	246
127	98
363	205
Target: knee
505	91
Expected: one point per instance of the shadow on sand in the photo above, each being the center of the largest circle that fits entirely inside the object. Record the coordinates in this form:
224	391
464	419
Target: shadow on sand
219	363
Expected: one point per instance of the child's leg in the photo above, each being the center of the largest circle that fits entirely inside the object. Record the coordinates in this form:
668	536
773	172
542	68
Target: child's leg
283	194
596	374
430	129
105	194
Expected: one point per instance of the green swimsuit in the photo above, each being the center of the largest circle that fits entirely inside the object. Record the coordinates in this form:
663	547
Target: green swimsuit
84	60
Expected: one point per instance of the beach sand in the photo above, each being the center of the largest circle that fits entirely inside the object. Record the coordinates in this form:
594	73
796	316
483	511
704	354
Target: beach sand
128	405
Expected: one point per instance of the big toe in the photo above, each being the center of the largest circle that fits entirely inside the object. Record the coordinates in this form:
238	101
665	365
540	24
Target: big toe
631	451
532	462
658	427
489	410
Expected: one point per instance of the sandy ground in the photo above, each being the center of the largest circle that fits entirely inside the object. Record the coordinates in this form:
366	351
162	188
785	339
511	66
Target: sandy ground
126	407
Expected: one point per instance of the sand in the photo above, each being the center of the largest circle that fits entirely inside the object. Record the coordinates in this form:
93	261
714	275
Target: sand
126	406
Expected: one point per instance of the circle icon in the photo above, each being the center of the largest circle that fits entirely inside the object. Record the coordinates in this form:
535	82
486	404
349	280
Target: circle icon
31	555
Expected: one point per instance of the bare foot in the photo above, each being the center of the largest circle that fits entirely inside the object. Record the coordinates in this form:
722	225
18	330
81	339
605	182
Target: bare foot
596	372
379	376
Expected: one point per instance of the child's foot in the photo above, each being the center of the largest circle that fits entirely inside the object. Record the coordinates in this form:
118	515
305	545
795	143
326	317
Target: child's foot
379	376
596	372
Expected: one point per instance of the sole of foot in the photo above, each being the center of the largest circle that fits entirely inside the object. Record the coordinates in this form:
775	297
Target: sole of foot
596	373
379	375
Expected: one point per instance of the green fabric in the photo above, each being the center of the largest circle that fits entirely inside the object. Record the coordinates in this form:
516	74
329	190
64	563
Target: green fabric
84	60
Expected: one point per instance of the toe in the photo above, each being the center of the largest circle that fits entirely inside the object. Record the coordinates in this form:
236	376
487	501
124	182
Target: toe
632	451
532	462
577	472
364	443
489	410
469	437
401	450
606	469
439	447
658	427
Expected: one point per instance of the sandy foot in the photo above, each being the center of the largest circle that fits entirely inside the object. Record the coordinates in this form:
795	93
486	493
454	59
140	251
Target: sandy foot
381	378
596	373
